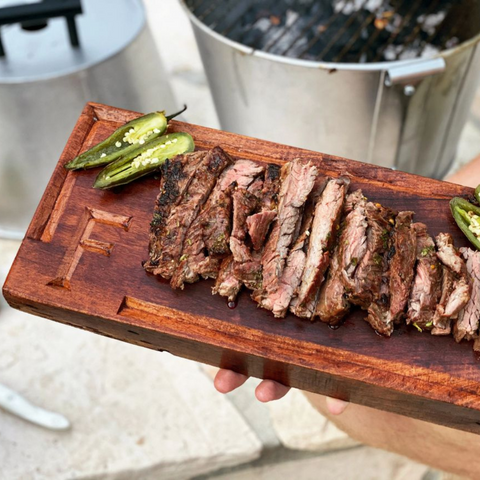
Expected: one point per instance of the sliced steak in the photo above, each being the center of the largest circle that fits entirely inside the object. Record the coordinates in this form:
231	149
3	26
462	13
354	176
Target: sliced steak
427	285
208	238
455	286
250	273
449	256
442	324
402	265
353	241
279	301
366	281
227	284
323	235
185	211
388	307
333	305
467	324
176	177
244	203
298	178
259	223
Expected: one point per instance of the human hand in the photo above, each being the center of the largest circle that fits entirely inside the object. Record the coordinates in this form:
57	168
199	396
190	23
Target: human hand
267	390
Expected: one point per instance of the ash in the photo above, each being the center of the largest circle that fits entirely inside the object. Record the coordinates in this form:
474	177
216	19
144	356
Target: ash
353	31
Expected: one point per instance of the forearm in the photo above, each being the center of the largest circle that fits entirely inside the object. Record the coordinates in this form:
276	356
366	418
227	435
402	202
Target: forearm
468	175
440	447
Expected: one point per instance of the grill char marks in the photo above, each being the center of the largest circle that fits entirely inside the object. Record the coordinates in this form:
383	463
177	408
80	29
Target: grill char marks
259	223
368	275
176	177
272	230
332	305
208	238
244	174
426	289
244	203
327	215
185	211
298	178
292	275
402	265
266	190
388	306
455	286
467	324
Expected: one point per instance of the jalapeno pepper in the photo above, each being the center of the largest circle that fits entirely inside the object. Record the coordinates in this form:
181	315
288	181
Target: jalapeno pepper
467	217
136	165
129	138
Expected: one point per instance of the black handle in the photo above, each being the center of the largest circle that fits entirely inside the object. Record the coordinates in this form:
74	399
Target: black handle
32	14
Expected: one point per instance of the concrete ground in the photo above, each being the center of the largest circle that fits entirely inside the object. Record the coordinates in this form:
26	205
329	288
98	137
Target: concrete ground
139	414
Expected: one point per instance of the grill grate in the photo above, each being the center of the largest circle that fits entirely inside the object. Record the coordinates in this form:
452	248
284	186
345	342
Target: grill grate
353	31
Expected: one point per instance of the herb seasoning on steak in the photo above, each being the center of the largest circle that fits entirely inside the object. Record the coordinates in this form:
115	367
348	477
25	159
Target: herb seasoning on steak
208	238
467	324
368	276
332	304
427	285
176	177
455	287
279	301
186	210
259	223
298	178
322	236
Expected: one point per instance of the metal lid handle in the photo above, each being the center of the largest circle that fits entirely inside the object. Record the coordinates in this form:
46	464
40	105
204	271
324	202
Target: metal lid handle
412	73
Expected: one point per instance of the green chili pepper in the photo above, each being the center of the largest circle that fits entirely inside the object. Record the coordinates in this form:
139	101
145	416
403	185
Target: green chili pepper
477	194
467	217
136	165
129	138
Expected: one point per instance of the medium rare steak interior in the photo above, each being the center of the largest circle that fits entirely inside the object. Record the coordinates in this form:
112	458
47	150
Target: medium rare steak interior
301	243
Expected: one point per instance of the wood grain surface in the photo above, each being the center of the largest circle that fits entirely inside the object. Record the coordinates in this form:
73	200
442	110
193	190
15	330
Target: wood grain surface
81	264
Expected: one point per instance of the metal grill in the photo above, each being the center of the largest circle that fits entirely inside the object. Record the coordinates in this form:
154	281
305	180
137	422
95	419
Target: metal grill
350	31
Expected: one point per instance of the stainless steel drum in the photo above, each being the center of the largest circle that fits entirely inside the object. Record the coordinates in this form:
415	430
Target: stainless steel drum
388	82
45	82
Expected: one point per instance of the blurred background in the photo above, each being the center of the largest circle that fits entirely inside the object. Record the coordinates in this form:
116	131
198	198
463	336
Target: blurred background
393	83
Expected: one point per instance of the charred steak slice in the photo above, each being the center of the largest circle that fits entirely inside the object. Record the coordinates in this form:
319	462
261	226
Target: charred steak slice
402	265
186	210
208	238
427	285
279	301
455	286
176	177
298	178
467	324
353	241
227	284
217	230
442	324
368	275
323	234
389	305
333	305
259	223
244	203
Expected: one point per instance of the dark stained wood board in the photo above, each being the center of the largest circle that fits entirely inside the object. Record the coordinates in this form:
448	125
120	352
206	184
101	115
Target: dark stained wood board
80	264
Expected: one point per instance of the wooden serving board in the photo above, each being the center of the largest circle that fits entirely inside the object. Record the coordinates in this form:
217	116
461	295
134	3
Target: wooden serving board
81	264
